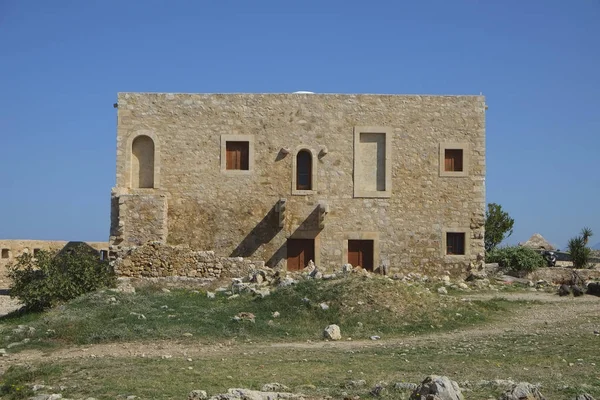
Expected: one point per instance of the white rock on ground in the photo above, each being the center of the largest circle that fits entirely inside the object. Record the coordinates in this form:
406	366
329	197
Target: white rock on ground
332	332
437	388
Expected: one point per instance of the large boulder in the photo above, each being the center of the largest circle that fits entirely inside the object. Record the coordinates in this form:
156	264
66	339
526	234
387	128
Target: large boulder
522	391
437	388
332	332
593	288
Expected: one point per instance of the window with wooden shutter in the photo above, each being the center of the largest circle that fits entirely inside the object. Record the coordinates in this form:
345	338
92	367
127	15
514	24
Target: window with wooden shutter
237	155
453	160
455	243
304	170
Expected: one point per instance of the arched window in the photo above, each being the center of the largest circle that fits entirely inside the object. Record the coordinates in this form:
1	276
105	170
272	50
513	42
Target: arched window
304	170
142	162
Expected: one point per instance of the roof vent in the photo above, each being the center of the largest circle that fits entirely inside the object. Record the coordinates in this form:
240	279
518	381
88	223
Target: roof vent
303	92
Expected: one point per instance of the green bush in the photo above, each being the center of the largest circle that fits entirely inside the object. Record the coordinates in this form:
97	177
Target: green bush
47	279
517	259
580	254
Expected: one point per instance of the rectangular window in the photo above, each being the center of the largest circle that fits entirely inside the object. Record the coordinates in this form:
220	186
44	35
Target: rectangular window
237	154
453	160
36	252
360	253
455	243
103	255
5	253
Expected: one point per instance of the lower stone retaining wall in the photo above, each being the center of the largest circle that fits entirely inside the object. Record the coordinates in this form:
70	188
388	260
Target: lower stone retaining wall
154	260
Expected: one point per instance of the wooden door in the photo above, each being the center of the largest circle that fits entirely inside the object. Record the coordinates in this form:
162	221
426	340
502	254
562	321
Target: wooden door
360	252
299	253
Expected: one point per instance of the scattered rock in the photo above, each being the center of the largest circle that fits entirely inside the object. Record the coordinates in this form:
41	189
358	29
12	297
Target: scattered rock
346	268
165	290
564	290
332	332
378	390
593	288
274	387
356	384
375	337
197	395
287	281
405	386
437	388
275	314
210	295
138	315
522	390
245	316
577	291
442	290
247	394
324	306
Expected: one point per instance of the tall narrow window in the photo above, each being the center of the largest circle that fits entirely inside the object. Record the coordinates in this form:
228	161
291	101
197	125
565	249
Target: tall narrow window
453	160
304	170
5	253
237	155
455	243
142	162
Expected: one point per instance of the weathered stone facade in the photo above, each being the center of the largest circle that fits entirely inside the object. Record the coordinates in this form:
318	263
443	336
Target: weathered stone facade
11	249
377	175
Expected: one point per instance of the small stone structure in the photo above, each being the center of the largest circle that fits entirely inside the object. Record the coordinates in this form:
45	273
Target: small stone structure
11	249
370	180
537	242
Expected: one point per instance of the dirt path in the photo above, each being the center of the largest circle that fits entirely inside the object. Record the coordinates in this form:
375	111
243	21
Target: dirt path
549	314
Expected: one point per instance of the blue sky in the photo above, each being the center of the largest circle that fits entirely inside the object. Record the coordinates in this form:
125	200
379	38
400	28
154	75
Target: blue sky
63	62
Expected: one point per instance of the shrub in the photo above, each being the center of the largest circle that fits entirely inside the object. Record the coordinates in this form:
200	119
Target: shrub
517	259
47	279
580	254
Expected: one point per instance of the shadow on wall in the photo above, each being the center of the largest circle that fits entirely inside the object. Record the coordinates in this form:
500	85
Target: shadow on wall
262	233
311	224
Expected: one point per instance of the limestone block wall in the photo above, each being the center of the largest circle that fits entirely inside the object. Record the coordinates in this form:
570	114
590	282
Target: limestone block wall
146	216
377	164
11	249
157	260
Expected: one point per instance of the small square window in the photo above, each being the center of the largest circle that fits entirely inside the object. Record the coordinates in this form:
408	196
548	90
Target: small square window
36	252
5	253
453	160
455	243
237	154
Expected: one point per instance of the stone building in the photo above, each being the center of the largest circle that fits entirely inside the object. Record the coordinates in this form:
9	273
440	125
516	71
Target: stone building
10	249
373	180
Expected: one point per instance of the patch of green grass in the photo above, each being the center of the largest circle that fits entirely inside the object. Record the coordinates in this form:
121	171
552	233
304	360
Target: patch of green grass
15	382
361	307
318	370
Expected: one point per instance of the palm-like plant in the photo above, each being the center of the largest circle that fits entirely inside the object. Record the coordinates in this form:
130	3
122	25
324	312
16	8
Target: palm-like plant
586	233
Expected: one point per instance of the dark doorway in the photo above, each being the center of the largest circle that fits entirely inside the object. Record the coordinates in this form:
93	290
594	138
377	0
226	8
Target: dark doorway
299	253
360	252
